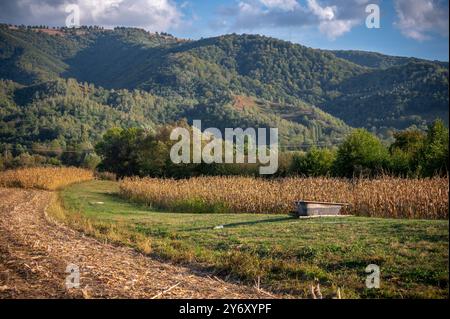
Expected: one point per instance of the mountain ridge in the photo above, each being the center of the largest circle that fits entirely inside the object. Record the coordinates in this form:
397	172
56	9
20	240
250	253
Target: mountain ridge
313	95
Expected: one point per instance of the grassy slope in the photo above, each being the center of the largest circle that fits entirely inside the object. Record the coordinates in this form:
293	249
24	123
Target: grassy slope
288	253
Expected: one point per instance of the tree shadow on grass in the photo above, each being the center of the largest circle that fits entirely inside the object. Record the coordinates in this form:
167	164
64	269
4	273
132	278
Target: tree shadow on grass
249	223
115	198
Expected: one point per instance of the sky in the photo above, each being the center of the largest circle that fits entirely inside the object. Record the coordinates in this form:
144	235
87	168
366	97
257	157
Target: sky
416	28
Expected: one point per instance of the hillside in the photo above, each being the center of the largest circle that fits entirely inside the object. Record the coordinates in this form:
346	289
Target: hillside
30	55
139	78
377	60
66	115
401	96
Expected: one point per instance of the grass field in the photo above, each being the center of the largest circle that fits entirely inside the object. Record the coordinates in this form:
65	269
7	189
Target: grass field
286	254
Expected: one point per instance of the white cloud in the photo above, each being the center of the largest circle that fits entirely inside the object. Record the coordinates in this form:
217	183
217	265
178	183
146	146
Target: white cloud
281	4
157	15
332	18
149	14
419	19
329	24
246	8
323	13
336	28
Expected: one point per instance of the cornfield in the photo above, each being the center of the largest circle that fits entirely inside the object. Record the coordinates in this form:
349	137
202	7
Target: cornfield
49	178
383	197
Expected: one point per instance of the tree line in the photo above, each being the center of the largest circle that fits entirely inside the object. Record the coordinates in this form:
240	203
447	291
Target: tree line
135	152
140	152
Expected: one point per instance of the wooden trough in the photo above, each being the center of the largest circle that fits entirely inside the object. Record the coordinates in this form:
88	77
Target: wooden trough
311	208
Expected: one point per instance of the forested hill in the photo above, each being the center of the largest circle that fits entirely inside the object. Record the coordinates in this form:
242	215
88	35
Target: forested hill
378	60
231	80
400	96
66	114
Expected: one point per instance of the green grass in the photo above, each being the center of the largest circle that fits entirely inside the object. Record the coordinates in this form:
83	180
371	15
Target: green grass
287	254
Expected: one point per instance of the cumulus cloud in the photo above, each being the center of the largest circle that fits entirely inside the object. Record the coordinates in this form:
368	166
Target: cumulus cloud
148	14
336	28
333	18
280	4
329	24
419	19
323	13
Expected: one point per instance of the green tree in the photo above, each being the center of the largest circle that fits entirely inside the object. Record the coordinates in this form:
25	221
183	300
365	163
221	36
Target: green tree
316	162
405	152
118	151
153	157
91	161
434	157
361	154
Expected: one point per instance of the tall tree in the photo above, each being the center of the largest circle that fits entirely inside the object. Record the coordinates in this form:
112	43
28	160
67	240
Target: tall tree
361	154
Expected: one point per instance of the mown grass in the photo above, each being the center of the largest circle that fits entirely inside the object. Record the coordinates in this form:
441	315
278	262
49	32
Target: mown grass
286	254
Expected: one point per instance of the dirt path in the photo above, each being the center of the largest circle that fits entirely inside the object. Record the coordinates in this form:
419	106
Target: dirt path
34	254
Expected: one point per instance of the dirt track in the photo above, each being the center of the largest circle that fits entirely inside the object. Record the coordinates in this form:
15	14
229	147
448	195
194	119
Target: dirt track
35	252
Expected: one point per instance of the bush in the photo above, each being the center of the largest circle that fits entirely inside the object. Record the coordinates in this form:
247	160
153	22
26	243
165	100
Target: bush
316	162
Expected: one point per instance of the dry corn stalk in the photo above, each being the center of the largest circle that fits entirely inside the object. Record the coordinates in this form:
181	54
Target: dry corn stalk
383	197
49	178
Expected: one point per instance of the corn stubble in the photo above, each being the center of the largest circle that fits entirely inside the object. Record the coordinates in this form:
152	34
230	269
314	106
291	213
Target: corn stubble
49	178
383	197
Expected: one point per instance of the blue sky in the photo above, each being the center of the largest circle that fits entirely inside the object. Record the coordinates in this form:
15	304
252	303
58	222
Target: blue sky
209	20
408	27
